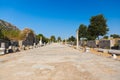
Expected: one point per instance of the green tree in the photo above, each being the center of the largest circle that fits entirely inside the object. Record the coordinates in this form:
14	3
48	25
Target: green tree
59	39
115	35
52	38
64	40
105	37
82	31
44	39
1	35
2	31
97	27
8	31
72	38
91	33
10	34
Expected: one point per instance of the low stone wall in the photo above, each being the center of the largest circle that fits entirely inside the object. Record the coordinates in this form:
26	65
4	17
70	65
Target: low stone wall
105	44
91	44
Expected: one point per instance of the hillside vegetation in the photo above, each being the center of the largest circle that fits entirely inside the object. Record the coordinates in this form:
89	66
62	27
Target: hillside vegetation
11	32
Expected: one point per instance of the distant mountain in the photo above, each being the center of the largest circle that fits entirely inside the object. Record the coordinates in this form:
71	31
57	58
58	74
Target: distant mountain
7	26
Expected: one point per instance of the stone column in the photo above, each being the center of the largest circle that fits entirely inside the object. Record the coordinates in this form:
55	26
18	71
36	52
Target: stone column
40	42
20	44
77	37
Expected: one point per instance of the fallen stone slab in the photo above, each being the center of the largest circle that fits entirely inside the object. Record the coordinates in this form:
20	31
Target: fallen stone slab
114	53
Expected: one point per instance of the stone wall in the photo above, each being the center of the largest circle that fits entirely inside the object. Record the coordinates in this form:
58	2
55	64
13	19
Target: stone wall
115	44
29	40
91	44
105	44
82	43
118	42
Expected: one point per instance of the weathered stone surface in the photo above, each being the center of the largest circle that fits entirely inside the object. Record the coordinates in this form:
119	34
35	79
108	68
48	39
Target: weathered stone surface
81	43
7	43
115	44
57	62
3	45
105	44
119	44
10	49
14	43
91	44
30	40
2	51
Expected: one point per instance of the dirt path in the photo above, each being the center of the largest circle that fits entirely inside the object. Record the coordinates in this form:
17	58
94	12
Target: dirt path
57	62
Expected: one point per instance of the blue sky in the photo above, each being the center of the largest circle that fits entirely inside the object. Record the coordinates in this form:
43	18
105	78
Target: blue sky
59	17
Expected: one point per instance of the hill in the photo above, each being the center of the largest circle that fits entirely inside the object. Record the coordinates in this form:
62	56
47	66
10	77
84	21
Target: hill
7	25
8	31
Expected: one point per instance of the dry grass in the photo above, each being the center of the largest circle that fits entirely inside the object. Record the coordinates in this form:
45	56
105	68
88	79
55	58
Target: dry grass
100	53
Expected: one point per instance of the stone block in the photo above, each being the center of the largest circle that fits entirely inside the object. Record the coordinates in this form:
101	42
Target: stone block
91	44
105	44
2	51
2	45
105	51
87	49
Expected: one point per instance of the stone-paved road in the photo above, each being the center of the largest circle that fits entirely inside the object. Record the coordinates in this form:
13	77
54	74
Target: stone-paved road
57	62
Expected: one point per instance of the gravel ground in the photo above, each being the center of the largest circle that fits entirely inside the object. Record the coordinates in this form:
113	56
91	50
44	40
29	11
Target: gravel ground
57	62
